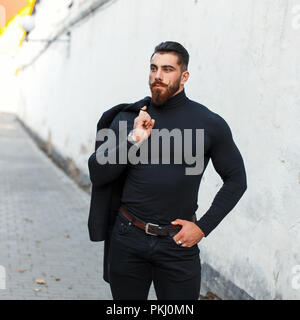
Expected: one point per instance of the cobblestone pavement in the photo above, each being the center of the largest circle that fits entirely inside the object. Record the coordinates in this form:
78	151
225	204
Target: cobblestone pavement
43	226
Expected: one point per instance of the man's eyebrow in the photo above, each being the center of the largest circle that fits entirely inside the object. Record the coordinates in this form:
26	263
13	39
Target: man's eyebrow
164	66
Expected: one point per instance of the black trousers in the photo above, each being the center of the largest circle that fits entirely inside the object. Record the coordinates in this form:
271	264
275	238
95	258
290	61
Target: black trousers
137	259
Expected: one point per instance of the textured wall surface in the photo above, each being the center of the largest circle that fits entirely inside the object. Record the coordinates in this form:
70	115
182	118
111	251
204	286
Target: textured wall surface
244	65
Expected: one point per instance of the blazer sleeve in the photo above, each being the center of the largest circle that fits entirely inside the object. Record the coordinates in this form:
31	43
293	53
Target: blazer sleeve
104	164
101	194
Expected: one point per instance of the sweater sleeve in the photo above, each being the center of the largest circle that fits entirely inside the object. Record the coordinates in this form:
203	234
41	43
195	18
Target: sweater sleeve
105	164
229	164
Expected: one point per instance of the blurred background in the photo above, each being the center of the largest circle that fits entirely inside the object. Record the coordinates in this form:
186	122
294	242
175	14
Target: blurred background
64	62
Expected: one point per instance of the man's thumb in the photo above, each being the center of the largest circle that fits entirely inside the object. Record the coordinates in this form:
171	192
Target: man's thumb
177	221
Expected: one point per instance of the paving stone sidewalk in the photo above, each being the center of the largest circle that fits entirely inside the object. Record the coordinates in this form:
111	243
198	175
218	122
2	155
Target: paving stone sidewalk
43	226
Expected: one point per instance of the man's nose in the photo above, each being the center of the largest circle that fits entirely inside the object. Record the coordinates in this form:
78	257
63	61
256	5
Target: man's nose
158	76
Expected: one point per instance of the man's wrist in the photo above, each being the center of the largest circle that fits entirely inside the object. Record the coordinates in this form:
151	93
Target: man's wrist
201	231
200	228
131	138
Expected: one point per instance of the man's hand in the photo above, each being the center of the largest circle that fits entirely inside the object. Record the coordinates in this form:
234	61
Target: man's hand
143	125
189	235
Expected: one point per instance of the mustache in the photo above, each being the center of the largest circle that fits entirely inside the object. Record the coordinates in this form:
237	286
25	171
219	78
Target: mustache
160	83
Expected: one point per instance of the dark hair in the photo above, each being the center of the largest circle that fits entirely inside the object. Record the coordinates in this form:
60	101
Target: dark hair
172	46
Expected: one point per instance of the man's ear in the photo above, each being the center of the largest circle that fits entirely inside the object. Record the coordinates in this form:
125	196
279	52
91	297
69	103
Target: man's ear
184	77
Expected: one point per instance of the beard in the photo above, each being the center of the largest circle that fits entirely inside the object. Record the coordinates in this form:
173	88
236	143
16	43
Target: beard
161	94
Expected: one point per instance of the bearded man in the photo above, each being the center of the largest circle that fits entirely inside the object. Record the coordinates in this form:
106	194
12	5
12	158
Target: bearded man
156	234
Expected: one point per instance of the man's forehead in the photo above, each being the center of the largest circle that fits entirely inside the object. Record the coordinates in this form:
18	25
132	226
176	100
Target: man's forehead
167	58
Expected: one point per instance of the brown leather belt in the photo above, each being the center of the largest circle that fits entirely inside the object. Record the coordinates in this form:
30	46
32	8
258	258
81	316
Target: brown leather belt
151	228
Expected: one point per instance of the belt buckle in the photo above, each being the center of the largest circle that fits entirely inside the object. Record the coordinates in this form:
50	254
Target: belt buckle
147	227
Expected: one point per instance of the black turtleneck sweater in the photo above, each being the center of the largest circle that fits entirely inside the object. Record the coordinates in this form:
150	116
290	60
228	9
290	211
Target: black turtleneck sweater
160	193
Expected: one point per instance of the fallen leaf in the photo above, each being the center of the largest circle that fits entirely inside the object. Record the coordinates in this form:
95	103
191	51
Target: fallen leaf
67	236
21	270
36	290
57	279
40	281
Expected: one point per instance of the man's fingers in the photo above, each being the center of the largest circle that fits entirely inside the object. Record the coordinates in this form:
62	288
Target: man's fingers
150	124
180	240
143	111
143	116
187	244
178	236
178	221
143	121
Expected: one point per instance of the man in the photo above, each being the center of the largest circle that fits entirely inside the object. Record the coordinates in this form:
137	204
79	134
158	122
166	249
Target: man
155	236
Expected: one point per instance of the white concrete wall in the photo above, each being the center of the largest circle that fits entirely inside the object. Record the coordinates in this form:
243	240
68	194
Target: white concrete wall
244	65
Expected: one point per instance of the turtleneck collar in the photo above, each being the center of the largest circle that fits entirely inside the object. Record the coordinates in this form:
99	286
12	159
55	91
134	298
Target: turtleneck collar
175	101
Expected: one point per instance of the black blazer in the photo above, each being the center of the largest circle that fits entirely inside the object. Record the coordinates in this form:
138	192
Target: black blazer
106	200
